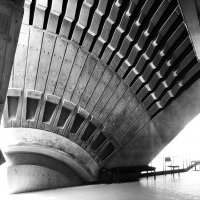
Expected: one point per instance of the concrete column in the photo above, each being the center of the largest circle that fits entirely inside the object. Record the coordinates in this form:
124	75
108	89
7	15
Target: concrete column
11	14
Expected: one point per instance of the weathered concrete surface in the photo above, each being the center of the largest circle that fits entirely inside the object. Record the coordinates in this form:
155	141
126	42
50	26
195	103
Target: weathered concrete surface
140	148
75	79
190	12
44	160
46	143
180	112
157	133
11	14
28	178
33	109
165	187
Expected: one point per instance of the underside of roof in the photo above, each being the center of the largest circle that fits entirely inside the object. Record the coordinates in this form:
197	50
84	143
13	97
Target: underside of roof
111	76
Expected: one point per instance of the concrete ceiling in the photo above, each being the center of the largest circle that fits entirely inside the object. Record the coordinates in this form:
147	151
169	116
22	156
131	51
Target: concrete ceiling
111	76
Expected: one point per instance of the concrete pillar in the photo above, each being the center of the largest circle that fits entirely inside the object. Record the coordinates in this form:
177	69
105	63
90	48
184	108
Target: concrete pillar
11	14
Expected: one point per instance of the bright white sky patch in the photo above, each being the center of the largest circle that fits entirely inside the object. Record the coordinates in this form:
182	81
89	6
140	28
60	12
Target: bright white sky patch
183	148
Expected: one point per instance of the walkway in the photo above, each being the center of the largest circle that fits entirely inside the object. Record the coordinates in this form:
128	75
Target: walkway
183	187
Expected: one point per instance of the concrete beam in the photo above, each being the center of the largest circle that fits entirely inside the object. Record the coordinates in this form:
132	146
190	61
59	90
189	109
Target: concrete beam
191	13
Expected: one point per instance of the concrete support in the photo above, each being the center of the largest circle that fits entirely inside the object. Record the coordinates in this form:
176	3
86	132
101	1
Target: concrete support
91	85
39	160
190	10
24	178
11	13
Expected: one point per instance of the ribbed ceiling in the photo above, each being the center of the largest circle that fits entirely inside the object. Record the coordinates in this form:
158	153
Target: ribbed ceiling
109	65
144	41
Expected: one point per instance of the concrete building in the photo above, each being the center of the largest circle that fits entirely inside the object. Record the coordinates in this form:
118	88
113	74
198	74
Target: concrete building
92	86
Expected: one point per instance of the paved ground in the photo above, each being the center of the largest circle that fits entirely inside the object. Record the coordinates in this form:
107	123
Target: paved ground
183	187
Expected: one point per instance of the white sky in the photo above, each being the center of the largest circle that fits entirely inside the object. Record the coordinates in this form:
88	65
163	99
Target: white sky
184	147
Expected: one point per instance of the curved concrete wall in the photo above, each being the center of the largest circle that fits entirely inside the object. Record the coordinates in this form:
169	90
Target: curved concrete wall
104	74
67	76
47	157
